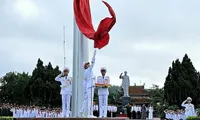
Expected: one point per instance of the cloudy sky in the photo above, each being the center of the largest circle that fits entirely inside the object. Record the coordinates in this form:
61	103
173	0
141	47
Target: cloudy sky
147	37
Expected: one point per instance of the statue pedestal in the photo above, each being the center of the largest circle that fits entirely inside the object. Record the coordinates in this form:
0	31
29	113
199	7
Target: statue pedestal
125	100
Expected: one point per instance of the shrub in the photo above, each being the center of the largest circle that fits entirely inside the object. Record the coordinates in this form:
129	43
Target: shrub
6	118
193	118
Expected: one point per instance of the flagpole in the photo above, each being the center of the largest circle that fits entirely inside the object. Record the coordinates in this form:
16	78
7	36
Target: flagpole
64	45
80	54
75	70
83	54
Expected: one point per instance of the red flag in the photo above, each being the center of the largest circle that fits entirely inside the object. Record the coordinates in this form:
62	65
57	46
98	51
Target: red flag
84	21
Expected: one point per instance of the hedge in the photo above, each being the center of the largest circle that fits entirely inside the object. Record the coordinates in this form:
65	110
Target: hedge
193	118
6	118
5	112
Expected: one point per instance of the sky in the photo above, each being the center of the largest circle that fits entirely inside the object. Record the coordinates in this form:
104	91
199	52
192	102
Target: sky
147	37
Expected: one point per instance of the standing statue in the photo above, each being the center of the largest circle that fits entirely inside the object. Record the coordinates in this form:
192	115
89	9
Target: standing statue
125	83
189	107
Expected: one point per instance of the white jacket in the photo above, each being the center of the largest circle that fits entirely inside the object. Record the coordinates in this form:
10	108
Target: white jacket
66	87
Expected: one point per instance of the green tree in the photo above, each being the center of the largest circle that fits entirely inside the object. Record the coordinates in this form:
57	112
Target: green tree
192	78
114	95
12	87
42	88
156	95
181	82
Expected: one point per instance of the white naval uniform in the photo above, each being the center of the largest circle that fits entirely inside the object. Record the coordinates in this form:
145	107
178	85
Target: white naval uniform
39	114
31	113
189	109
66	93
24	114
86	97
182	116
15	112
150	113
59	115
89	84
103	95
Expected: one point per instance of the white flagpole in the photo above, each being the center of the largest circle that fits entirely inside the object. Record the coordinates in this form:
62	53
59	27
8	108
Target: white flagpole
80	54
64	45
83	56
75	71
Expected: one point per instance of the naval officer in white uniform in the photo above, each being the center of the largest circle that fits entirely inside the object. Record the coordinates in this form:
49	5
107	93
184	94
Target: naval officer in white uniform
89	84
66	91
103	93
189	107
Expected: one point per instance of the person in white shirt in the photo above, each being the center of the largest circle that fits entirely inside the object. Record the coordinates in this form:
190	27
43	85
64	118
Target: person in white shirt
23	113
15	112
113	110
66	90
133	111
39	114
89	87
60	115
31	113
150	113
103	92
189	107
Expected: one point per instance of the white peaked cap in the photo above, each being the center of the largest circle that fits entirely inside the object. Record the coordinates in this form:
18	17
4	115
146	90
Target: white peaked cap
189	99
103	68
65	68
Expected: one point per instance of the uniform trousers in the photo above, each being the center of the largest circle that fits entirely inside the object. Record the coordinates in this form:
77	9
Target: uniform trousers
103	104
89	96
66	105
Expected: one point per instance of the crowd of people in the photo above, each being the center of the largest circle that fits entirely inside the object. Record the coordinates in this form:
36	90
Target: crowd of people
89	84
139	111
24	111
182	114
175	114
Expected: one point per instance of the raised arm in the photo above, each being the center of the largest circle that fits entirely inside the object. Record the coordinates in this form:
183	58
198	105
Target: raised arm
58	78
120	77
183	104
93	61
